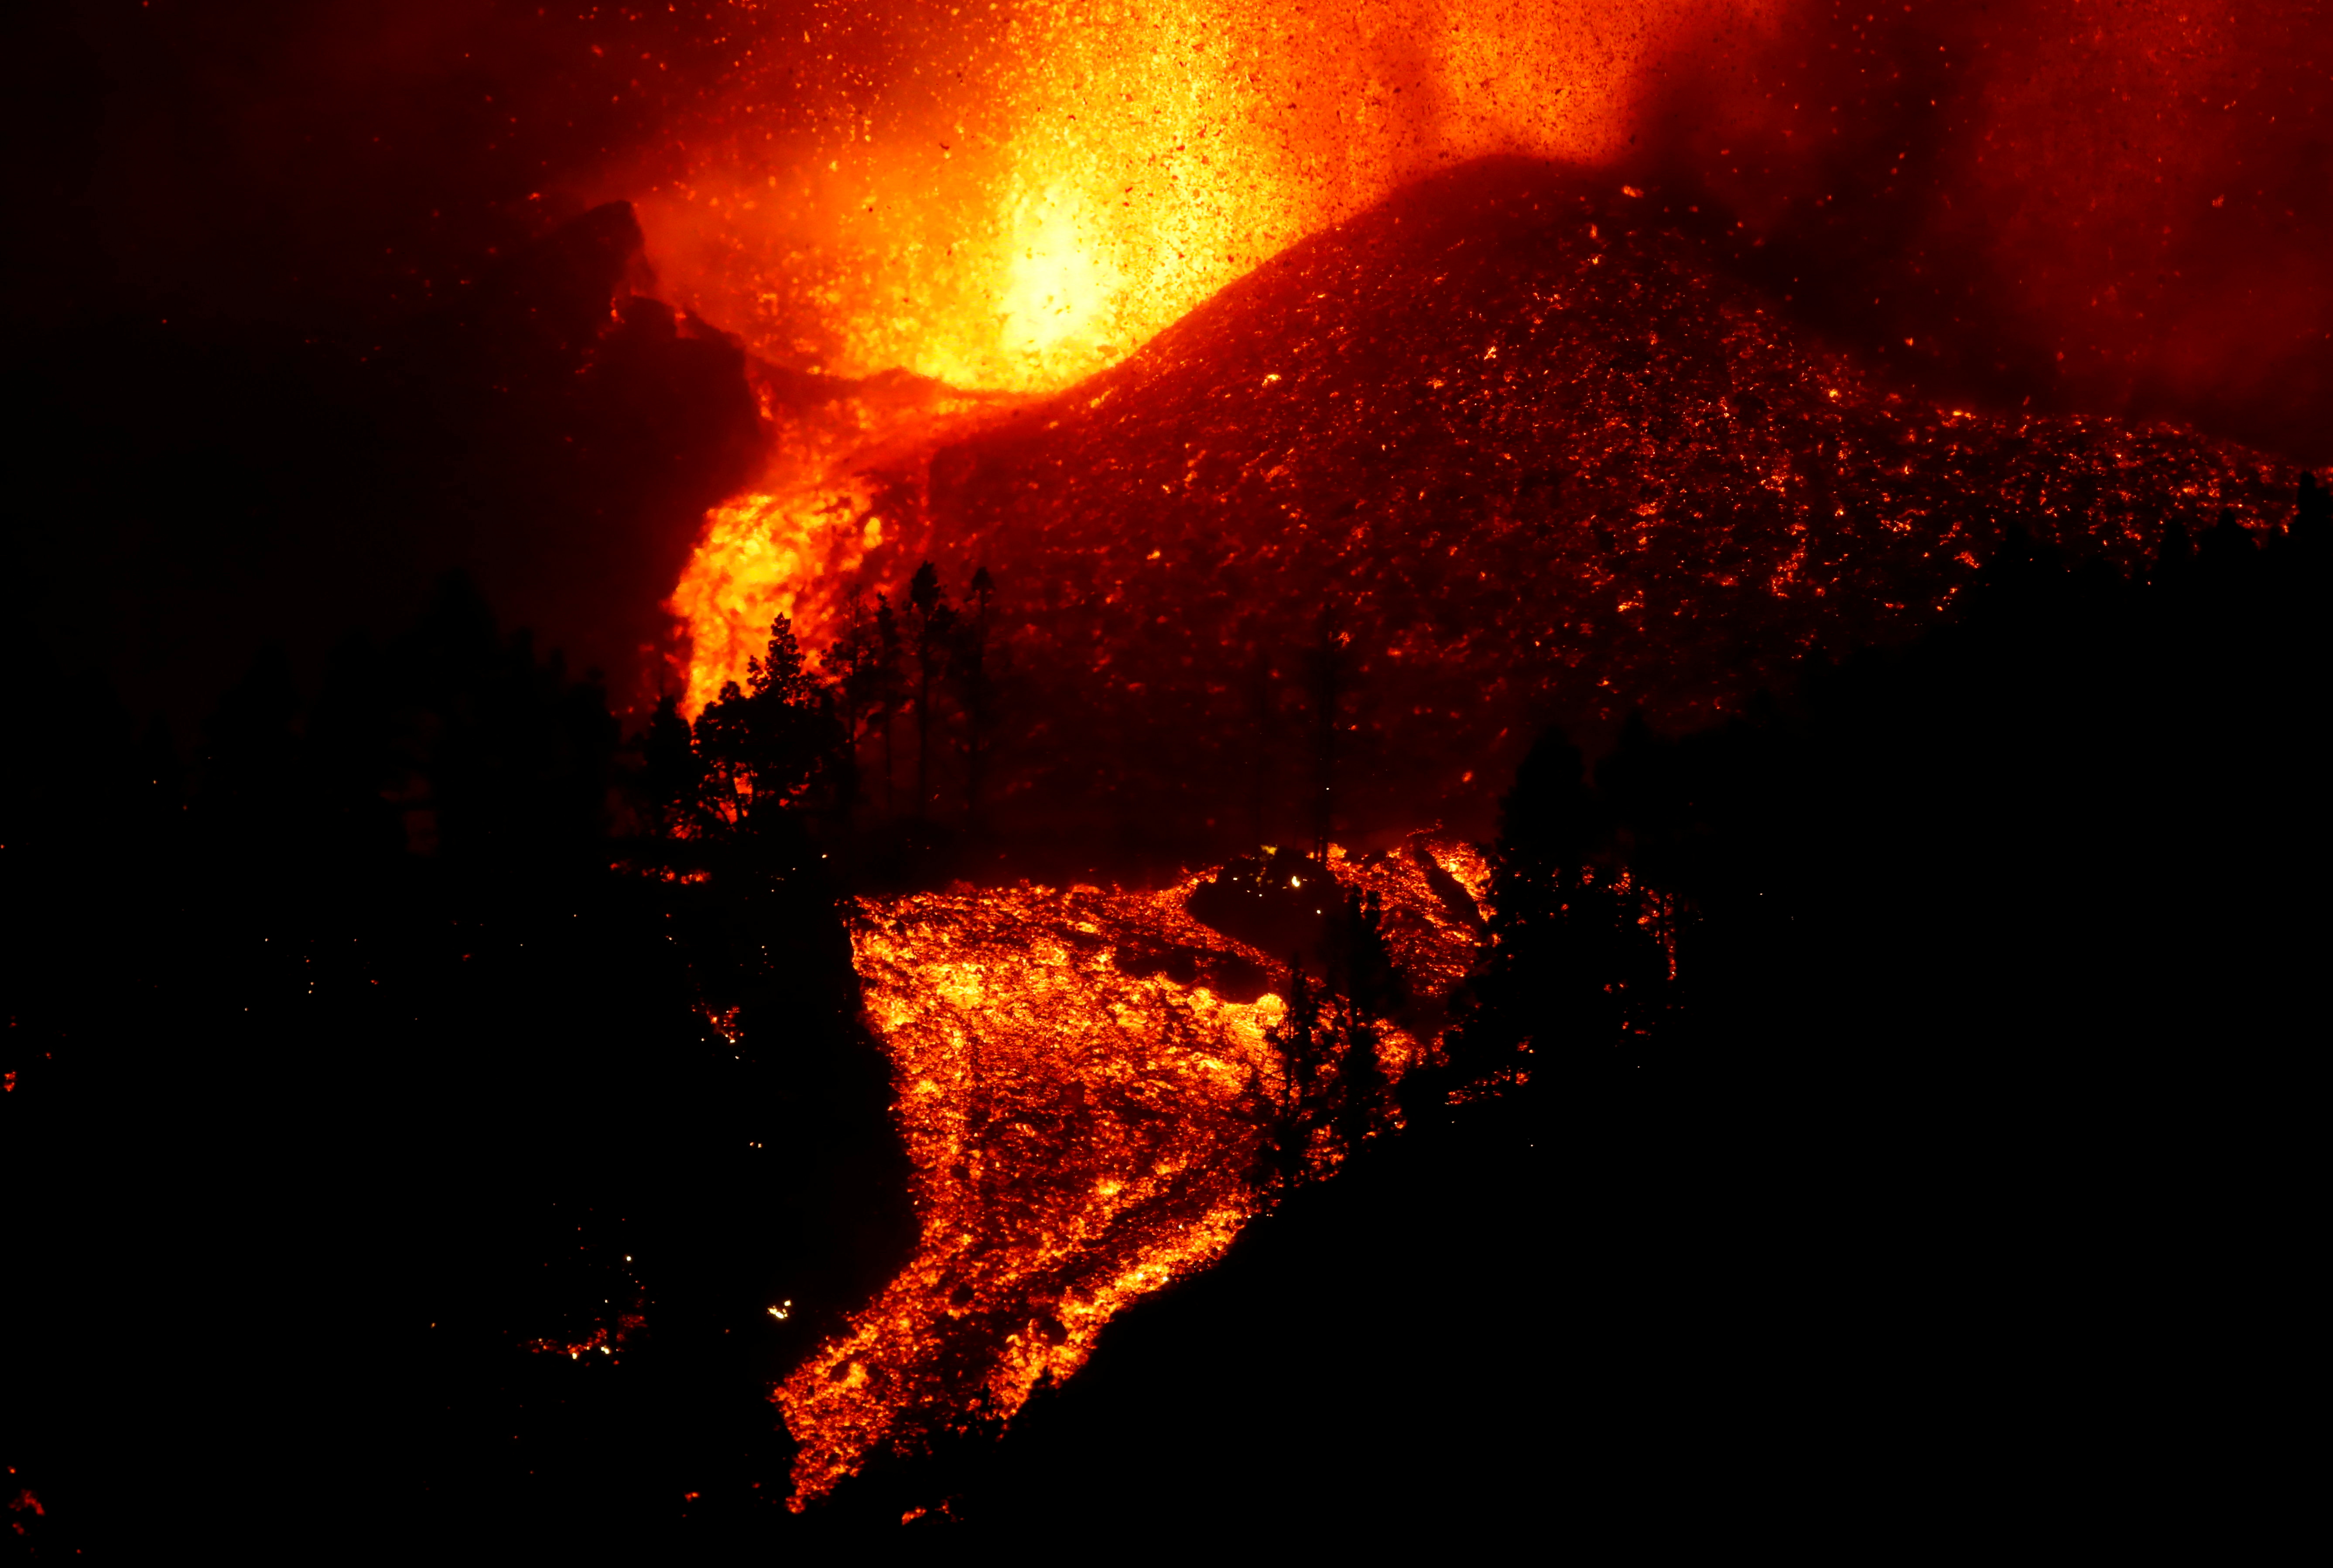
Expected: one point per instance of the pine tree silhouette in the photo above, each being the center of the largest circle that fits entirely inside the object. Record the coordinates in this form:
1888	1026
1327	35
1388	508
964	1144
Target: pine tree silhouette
1368	988
1363	1093
855	663
762	746
934	630
887	692
1325	678
672	775
1574	968
1296	1040
971	663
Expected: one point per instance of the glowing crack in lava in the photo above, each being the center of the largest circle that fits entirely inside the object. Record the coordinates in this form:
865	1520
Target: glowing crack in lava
1084	1083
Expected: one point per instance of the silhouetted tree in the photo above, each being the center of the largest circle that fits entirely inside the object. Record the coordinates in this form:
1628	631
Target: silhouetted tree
888	691
1325	682
492	753
1573	963
1361	967
1296	1040
971	664
1364	1095
1367	987
672	775
762	746
1260	686
934	630
855	663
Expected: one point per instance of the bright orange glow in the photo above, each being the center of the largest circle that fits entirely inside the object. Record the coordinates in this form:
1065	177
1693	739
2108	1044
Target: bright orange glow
1084	177
793	546
1083	1095
763	556
1012	199
1549	459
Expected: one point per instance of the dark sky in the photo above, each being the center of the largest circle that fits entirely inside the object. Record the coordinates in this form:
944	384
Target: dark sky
2106	206
339	163
316	316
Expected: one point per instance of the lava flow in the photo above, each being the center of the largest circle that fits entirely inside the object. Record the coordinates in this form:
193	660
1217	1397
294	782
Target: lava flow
1084	1084
796	545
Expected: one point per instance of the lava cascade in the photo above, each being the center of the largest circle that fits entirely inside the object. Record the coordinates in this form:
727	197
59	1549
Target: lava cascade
1084	1084
795	546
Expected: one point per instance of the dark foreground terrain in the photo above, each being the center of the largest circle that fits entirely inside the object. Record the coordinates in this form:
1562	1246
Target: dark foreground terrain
1930	1159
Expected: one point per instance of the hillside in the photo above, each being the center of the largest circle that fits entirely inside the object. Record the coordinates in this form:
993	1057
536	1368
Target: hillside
1525	453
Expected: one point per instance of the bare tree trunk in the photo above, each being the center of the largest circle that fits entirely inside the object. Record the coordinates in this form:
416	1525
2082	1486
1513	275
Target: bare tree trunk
1326	672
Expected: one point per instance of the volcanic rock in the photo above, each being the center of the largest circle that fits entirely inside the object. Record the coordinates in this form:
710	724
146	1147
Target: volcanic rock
1508	449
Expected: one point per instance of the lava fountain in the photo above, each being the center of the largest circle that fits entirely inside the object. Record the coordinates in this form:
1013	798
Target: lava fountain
2081	208
1007	200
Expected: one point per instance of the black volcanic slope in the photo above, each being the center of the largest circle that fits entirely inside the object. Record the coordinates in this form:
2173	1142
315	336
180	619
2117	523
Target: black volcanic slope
1526	455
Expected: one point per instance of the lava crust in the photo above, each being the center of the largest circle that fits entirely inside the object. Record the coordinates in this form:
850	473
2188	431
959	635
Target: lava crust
1508	449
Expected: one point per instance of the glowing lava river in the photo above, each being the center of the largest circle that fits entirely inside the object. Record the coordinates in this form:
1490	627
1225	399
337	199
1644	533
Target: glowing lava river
1085	1085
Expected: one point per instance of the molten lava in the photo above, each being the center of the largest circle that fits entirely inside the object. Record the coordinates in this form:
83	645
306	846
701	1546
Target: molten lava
1084	1085
832	493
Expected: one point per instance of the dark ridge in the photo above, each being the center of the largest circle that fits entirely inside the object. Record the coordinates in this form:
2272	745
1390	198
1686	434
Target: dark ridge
1508	449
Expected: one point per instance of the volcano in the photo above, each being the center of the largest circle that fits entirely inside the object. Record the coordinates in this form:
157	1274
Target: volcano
1059	1047
1510	449
1325	556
